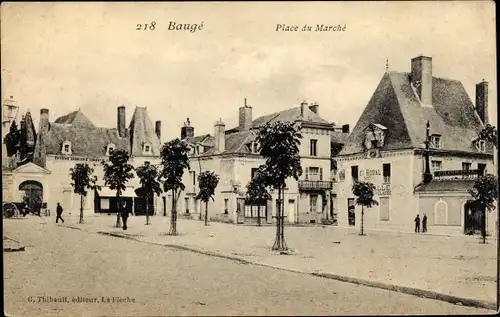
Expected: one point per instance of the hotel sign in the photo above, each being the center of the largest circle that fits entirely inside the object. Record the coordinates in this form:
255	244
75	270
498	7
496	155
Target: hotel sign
369	173
77	158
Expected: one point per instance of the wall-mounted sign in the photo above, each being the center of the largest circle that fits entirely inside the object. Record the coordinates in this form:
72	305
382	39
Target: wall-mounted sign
76	158
384	190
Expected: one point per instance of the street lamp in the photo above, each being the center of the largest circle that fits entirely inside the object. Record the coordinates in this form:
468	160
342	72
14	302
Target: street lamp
427	172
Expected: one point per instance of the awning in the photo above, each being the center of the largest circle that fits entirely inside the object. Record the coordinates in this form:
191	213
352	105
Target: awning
108	192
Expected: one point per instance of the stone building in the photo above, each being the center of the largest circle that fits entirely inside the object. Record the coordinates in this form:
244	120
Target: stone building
73	138
233	155
387	148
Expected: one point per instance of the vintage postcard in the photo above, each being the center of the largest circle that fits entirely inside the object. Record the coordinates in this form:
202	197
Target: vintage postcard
249	158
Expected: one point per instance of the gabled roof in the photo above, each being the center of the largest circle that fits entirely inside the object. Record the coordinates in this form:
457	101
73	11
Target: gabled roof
31	168
75	118
142	130
395	105
87	141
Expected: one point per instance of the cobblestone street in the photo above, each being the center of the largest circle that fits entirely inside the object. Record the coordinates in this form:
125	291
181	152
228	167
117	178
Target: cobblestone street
60	261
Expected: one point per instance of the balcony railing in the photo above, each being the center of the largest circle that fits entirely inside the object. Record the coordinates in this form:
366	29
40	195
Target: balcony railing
459	173
315	185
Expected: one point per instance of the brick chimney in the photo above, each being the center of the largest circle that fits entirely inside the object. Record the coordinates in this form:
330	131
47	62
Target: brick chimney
314	107
303	104
482	101
187	131
220	136
245	117
158	129
421	78
120	121
40	153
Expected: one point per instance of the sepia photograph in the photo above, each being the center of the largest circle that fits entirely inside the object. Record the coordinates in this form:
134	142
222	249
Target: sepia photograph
249	158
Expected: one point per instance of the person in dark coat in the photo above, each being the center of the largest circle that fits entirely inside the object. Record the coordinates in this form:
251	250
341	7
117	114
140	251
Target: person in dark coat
124	213
424	223
417	223
59	211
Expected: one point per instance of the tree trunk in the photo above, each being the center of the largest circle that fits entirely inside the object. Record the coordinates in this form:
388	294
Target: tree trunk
81	209
362	220
483	225
282	216
258	215
279	243
147	210
173	216
118	220
206	213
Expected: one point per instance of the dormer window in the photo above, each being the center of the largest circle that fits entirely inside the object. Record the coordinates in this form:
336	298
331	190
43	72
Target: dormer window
254	147
199	149
436	141
111	147
374	136
481	145
66	147
146	148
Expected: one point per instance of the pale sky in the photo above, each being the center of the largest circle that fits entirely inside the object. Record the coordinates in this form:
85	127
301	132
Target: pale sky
65	56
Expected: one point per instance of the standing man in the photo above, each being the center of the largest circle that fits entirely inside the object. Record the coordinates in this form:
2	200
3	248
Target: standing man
417	224
124	213
59	211
424	223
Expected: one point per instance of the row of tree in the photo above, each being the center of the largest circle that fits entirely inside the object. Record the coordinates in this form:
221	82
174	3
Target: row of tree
278	143
153	179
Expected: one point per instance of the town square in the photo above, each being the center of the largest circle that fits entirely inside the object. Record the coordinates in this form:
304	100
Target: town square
253	176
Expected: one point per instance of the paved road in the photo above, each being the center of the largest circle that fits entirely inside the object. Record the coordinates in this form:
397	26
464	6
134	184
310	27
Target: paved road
64	262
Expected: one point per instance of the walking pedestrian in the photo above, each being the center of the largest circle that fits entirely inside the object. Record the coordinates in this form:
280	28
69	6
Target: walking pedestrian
59	211
124	213
424	223
417	224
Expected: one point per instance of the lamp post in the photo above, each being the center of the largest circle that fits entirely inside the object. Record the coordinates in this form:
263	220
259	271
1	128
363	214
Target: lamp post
427	172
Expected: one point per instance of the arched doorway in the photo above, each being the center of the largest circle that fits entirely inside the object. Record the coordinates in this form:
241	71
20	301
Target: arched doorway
473	218
140	203
441	213
33	195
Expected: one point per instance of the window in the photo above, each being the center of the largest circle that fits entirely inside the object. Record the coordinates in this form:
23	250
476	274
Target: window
436	165
199	149
253	172
436	141
354	173
226	206
314	173
313	148
193	175
481	167
66	147
481	146
111	147
186	203
146	148
313	202
386	172
466	166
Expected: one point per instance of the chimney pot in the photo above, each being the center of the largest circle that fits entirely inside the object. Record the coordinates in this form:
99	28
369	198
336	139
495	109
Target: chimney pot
120	122
158	129
482	101
421	78
245	117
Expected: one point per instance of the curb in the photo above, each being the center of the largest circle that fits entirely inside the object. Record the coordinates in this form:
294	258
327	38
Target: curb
20	249
395	288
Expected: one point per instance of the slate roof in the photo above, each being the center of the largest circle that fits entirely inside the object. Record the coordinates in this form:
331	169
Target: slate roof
75	118
448	185
142	130
395	105
91	141
339	137
85	141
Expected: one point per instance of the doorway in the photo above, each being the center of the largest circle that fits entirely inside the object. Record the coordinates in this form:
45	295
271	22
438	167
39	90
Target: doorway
33	195
351	214
291	211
